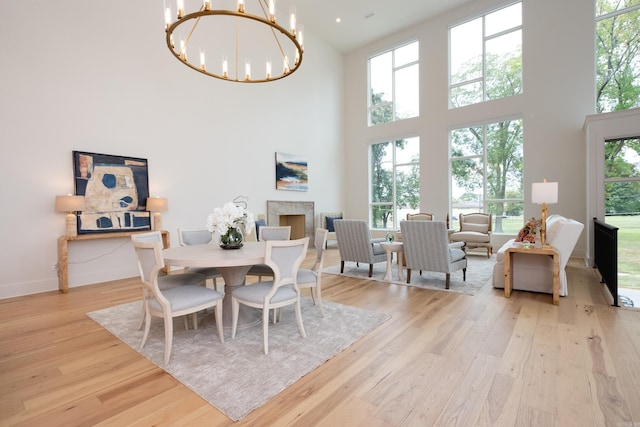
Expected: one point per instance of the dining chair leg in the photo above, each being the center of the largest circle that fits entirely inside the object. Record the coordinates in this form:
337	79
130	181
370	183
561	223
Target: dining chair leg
319	299
168	338
299	319
265	329
219	321
147	327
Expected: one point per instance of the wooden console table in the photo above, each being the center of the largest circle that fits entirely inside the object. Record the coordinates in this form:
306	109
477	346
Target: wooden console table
63	253
545	250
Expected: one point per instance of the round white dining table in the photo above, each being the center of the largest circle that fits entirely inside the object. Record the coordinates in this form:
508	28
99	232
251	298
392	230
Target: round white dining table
233	264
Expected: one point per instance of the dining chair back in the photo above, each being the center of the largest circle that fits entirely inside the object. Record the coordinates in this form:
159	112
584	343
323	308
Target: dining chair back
203	236
277	232
172	302
194	236
267	233
284	258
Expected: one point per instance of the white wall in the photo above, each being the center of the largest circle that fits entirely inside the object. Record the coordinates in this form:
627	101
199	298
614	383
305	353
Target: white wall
559	92
98	77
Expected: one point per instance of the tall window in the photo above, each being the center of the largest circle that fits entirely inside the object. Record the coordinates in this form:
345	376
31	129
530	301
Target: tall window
395	181
618	55
486	173
485	57
394	85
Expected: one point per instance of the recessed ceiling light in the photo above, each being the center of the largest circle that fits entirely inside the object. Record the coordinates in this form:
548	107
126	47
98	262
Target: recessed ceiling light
338	20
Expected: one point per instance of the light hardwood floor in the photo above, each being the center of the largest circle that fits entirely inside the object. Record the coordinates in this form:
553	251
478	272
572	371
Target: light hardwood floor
442	359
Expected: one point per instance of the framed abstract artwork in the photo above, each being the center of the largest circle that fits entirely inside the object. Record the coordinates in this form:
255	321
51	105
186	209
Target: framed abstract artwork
291	172
115	190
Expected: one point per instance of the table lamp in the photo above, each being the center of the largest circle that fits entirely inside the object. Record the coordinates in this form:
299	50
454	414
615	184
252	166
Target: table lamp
70	204
157	205
543	193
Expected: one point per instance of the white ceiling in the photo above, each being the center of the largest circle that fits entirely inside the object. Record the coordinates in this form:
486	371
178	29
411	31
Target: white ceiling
363	21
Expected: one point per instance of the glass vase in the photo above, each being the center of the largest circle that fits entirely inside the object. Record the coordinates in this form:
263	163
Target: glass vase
232	239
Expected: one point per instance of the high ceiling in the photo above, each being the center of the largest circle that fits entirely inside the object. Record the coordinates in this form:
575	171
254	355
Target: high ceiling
363	21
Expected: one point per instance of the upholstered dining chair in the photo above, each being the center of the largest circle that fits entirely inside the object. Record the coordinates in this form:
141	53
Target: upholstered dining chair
284	258
173	302
164	281
427	248
475	232
355	243
266	233
312	277
188	237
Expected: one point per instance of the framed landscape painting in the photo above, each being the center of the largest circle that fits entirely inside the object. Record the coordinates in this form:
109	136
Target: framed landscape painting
291	172
115	190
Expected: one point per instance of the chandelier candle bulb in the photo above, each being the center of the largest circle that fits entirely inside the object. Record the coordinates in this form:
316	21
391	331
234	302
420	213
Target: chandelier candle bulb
300	36
285	66
241	6
272	10
180	5
207	5
202	66
167	18
225	68
292	20
183	50
247	70
268	69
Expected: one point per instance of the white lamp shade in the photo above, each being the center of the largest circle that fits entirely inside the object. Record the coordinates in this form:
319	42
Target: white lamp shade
157	204
544	192
69	203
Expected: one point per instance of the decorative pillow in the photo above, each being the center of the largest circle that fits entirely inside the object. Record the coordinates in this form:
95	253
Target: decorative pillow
478	228
329	220
259	223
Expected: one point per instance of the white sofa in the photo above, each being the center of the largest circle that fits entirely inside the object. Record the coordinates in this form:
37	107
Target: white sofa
535	273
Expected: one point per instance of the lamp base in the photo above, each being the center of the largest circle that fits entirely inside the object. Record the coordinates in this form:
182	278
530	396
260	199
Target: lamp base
72	225
157	221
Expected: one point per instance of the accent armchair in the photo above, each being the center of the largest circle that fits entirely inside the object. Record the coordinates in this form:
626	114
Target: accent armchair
475	232
356	244
427	247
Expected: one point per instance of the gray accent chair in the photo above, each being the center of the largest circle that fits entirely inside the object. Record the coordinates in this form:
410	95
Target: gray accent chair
427	247
356	244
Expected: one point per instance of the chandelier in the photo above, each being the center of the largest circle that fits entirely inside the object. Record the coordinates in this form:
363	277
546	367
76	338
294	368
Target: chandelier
225	42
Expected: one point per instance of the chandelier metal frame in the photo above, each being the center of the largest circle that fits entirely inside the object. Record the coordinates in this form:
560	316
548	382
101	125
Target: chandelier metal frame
293	35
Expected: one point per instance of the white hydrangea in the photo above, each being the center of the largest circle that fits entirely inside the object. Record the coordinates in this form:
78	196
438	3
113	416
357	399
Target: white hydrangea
230	216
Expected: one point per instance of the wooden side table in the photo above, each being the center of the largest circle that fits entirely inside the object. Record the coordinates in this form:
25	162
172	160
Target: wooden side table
545	250
390	248
63	253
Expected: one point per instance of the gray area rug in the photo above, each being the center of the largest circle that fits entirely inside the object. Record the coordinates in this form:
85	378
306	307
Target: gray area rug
237	377
479	272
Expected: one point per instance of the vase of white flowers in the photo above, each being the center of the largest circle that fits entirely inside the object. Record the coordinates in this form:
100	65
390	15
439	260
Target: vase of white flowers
231	222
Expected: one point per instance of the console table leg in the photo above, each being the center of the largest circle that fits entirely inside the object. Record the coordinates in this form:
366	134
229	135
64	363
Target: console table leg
63	265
